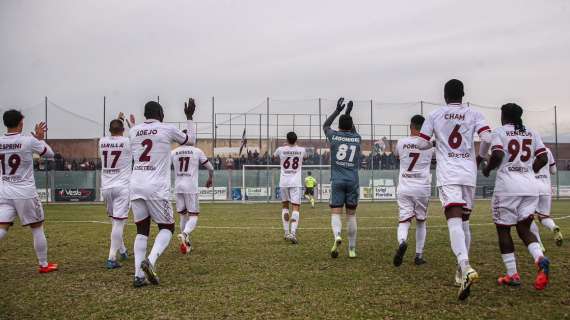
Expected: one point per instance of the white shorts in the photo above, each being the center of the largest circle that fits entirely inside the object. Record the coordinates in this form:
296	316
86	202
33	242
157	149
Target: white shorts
160	211
291	194
28	210
509	210
544	205
457	195
412	206
118	202
187	203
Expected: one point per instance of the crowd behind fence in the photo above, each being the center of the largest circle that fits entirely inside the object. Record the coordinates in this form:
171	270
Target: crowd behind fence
264	126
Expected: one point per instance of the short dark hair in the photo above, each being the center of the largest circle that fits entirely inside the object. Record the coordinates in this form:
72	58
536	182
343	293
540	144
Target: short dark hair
153	110
453	90
291	137
116	126
512	113
12	118
345	122
417	121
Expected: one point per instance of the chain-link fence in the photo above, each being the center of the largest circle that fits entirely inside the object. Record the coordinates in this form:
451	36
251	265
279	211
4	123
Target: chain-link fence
261	128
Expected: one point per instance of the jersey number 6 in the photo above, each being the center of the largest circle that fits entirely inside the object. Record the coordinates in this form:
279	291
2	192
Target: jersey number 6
455	138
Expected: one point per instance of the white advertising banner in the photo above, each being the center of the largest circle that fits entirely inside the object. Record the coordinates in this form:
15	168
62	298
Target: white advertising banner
44	195
326	192
385	193
220	193
257	192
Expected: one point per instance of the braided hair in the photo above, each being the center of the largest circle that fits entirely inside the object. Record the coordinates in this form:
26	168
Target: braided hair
512	113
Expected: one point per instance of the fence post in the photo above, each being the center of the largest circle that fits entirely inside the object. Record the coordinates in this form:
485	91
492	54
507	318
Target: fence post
260	130
45	159
104	113
372	149
268	152
556	147
320	153
214	152
230	129
422	107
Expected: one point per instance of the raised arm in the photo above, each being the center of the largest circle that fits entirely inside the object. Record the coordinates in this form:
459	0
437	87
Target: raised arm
39	146
339	107
189	109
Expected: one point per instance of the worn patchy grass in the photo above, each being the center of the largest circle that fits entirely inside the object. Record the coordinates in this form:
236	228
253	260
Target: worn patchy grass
242	269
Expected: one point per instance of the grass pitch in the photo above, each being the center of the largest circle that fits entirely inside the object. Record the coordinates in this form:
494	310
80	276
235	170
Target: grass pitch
241	268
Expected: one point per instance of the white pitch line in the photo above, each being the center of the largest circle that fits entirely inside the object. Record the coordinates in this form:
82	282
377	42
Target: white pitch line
279	228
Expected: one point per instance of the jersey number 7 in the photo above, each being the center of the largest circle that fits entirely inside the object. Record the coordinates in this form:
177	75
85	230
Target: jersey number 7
415	156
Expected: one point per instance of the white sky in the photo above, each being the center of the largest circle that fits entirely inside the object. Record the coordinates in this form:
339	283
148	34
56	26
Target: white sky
76	52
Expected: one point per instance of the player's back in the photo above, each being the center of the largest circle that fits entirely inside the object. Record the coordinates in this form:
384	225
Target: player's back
116	161
415	174
454	127
151	147
291	162
186	161
17	165
345	155
515	175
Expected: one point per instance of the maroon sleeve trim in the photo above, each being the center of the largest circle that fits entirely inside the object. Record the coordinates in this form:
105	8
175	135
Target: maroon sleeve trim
43	152
539	152
185	140
553	164
485	128
203	163
425	137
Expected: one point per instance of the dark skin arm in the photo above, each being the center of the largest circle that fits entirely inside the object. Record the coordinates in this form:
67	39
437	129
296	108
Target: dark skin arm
339	107
348	111
494	162
539	162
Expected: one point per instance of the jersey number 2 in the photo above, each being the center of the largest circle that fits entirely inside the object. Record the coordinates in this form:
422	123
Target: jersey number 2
147	144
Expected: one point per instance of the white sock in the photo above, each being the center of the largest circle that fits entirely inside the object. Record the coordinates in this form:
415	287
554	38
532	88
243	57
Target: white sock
421	233
183	222
467	232
40	245
535	251
352	229
535	231
336	224
3	233
294	222
285	214
116	238
548	223
140	253
191	224
403	228
510	263
160	244
457	239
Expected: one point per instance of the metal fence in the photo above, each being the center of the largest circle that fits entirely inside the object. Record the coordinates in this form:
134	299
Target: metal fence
264	126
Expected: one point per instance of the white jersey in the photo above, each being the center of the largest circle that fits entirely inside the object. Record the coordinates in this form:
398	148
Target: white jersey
17	165
454	127
515	176
116	162
543	176
187	161
151	146
415	174
291	161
